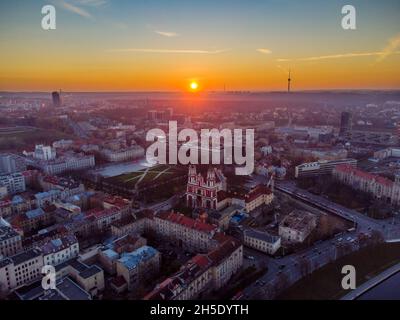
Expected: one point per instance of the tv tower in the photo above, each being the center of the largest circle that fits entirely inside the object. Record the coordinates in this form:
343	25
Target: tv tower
288	83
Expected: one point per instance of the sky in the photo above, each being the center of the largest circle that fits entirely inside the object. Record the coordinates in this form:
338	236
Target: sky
164	45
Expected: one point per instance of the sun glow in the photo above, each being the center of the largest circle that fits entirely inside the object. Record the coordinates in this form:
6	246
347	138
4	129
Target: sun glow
194	86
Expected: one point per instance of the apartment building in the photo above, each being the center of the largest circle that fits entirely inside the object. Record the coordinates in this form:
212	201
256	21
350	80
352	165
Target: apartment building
10	241
380	187
124	154
15	183
203	273
184	232
138	265
21	269
321	167
59	250
261	241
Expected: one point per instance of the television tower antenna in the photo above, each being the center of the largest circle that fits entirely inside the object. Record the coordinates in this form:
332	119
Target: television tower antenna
288	85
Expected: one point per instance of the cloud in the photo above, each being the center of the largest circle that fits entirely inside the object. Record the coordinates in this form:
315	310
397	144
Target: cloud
169	51
390	48
343	55
92	3
264	51
75	9
76	6
167	33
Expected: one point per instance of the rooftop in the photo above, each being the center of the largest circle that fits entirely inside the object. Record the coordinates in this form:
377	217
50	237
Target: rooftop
264	236
25	256
187	222
132	260
7	233
59	244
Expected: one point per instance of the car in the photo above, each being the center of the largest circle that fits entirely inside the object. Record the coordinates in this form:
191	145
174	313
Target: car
282	266
250	257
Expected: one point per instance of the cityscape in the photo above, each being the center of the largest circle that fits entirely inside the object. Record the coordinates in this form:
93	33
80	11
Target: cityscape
169	167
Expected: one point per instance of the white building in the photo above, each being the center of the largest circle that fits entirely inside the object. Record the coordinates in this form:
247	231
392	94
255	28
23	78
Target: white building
15	183
21	269
10	241
59	250
124	154
321	167
44	152
10	163
261	241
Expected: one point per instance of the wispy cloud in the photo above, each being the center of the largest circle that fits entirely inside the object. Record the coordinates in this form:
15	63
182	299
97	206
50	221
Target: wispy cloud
379	54
264	51
92	3
77	6
74	8
169	51
390	48
168	34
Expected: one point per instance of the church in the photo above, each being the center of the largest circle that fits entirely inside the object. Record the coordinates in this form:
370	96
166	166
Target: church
205	192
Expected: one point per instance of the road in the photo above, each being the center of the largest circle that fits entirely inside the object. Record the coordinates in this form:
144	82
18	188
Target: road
320	253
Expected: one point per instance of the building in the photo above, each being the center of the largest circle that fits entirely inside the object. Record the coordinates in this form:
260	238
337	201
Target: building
56	98
34	219
202	274
89	277
68	162
261	241
44	152
66	289
258	196
15	183
10	241
297	226
321	167
59	250
21	269
220	218
123	154
184	232
127	243
387	153
226	260
138	265
202	192
68	187
380	187
346	124
11	163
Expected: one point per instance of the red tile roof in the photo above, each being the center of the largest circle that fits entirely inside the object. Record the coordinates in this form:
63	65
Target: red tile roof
187	222
345	168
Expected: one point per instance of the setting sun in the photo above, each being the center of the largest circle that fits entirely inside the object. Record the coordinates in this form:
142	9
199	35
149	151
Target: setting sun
194	86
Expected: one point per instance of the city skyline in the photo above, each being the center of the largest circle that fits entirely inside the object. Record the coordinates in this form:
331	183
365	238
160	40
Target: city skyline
104	45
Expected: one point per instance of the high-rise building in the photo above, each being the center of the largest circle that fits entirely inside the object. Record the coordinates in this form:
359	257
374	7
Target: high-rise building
10	163
44	152
346	123
56	99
